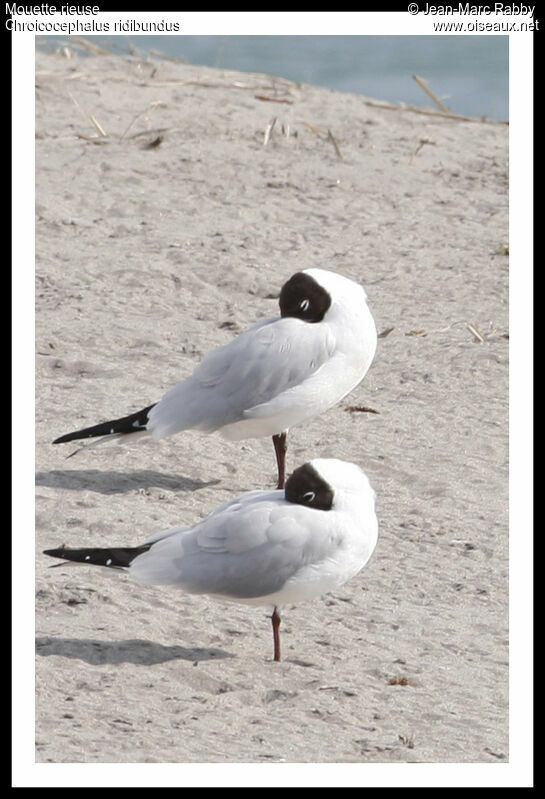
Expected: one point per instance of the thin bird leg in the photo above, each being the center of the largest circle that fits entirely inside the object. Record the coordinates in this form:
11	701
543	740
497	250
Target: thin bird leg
276	633
280	449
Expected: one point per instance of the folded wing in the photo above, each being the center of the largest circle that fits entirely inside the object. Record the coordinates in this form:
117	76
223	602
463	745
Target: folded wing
249	549
257	366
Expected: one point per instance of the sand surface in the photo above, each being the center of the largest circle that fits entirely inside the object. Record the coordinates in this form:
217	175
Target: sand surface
165	238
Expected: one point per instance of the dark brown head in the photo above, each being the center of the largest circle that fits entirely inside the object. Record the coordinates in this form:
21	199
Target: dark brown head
306	487
304	298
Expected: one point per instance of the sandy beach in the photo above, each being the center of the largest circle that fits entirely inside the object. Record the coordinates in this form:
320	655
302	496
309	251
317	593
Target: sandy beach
173	202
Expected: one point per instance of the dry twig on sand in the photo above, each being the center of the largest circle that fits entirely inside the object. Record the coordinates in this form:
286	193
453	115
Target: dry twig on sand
150	107
88	116
431	112
436	100
478	335
268	131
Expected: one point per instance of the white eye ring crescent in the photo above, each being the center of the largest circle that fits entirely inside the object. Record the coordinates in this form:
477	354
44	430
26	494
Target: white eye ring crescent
304	305
309	496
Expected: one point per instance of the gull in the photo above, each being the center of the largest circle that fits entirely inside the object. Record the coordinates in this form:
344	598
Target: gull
278	373
264	548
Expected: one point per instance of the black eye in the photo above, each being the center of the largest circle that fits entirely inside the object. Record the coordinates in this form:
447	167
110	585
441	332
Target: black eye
309	496
304	305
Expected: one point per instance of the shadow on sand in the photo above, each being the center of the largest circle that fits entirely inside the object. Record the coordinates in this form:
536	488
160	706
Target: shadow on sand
143	653
117	482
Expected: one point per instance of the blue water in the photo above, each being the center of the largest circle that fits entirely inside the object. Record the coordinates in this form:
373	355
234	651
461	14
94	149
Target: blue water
470	74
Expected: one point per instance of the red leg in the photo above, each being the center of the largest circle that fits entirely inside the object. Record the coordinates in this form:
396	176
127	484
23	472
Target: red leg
276	633
280	448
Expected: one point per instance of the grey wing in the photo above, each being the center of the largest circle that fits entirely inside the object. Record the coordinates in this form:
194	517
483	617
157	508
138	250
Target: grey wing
257	366
265	361
248	550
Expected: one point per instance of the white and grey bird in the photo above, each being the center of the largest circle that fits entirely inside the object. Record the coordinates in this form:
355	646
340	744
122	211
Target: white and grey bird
264	548
278	373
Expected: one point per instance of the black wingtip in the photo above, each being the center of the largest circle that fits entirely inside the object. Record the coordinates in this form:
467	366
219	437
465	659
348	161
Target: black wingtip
115	558
133	423
64	439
